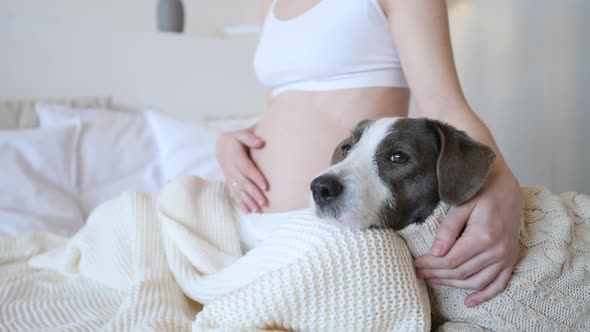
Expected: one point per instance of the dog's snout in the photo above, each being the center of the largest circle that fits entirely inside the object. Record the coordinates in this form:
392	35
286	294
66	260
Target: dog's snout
326	188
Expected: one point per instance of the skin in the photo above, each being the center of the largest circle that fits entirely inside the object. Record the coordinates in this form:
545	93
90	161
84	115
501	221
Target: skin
269	167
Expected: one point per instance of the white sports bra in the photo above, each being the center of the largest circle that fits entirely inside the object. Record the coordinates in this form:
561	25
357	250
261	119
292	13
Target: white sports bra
337	44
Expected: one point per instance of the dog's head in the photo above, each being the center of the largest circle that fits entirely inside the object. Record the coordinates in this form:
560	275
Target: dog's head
394	171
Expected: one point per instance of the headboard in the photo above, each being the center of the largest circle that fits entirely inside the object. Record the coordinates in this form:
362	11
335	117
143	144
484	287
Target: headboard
190	77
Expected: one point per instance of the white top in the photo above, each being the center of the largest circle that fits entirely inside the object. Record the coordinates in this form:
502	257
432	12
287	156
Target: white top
337	44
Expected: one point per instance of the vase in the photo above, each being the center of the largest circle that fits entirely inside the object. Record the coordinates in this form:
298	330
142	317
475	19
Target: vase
170	15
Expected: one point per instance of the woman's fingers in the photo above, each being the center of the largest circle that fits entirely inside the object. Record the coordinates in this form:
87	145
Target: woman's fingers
491	290
235	194
247	168
248	200
450	229
246	191
252	190
242	205
248	139
462	272
463	250
476	282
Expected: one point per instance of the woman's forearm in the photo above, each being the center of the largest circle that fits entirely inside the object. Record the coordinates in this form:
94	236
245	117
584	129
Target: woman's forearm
465	119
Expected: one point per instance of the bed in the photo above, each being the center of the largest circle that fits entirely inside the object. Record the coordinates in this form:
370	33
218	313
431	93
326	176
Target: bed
87	114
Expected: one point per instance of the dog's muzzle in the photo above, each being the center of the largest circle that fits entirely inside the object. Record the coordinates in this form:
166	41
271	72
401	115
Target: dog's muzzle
326	189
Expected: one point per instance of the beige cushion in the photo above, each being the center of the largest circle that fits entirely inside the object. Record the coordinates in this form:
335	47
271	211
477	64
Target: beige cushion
20	113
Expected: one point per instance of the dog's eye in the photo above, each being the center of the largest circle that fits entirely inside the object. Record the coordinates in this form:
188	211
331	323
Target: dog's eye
399	158
345	149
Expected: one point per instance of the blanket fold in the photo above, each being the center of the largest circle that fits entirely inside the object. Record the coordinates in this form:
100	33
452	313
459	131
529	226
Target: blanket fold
148	262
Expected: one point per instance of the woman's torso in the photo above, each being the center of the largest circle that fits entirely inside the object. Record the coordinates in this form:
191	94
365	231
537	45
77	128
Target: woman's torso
302	128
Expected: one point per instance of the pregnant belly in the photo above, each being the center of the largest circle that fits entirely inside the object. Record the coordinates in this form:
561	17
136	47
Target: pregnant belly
297	149
301	130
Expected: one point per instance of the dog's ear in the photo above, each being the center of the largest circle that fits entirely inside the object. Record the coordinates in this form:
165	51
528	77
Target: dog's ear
463	164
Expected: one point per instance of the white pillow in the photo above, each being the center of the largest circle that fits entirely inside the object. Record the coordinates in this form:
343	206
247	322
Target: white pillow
185	148
38	179
116	152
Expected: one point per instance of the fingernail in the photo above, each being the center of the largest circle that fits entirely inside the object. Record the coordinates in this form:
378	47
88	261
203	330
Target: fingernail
435	281
470	303
437	248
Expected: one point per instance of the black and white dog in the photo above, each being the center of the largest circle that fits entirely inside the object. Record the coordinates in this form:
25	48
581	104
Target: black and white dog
393	172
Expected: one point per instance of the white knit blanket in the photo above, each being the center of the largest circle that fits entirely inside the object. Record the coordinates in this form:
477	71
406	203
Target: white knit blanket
550	287
149	262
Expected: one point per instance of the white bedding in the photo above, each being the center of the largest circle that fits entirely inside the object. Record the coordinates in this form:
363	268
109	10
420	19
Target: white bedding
55	175
184	148
144	262
38	179
116	152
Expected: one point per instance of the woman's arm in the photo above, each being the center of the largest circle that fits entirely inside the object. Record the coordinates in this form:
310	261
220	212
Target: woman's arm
477	245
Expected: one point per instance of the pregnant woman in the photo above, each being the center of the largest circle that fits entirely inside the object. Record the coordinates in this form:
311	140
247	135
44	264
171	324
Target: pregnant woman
327	64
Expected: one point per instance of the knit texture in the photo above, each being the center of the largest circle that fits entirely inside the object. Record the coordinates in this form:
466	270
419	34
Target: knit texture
144	262
550	287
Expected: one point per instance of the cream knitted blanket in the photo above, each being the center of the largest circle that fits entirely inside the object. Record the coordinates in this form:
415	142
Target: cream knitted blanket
144	262
550	287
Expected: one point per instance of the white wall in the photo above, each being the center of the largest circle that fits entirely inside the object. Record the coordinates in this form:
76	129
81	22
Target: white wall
524	66
190	77
114	48
202	17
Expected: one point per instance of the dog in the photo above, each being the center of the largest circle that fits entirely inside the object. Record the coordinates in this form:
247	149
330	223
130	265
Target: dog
393	172
400	173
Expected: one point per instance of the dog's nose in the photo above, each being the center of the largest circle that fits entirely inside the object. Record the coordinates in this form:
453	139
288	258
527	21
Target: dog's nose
325	188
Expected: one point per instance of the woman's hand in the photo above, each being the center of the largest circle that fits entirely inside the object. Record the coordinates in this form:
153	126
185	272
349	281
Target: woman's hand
244	180
476	247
